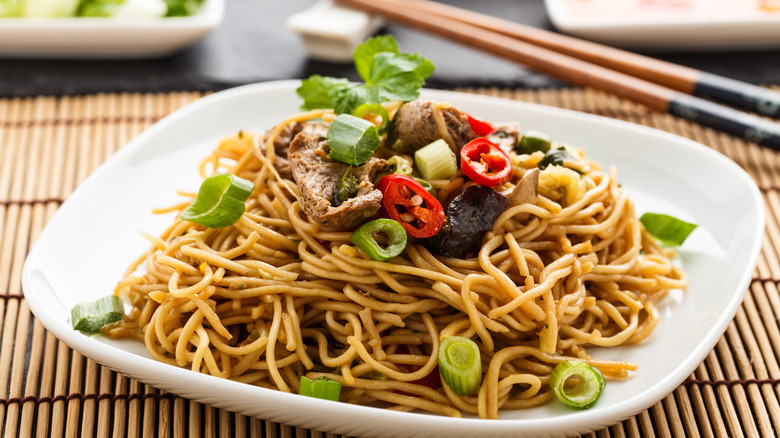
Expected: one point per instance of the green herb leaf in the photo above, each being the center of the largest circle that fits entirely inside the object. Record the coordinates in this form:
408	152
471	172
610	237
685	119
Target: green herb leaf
316	91
554	157
388	75
364	54
667	229
91	316
346	188
352	139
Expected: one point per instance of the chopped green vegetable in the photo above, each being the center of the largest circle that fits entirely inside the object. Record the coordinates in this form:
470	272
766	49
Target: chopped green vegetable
436	160
346	188
364	239
400	164
555	157
316	91
321	387
667	229
352	139
374	113
460	364
388	75
577	384
183	8
427	186
220	201
533	141
91	316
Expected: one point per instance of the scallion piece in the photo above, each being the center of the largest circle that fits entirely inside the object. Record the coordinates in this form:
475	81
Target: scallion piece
577	384
667	229
436	160
352	139
401	165
220	201
91	316
364	239
460	364
321	387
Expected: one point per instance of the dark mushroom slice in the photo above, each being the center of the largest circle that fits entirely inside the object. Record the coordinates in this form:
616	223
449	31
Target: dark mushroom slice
469	216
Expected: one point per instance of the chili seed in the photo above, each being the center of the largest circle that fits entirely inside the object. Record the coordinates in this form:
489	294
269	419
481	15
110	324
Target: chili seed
417	200
406	217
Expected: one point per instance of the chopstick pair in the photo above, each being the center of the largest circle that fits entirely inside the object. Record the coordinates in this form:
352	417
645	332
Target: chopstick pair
660	85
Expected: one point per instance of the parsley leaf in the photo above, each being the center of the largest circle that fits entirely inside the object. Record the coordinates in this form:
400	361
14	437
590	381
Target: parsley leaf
667	229
388	75
316	91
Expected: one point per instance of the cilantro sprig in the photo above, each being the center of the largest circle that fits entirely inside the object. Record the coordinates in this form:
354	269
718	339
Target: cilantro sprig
388	74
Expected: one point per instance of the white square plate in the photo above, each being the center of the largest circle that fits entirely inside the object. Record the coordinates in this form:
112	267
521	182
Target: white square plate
671	24
93	237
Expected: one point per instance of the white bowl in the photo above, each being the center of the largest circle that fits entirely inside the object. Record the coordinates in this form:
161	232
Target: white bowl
91	37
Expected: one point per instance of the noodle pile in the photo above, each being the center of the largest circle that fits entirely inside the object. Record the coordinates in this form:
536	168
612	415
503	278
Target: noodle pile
274	296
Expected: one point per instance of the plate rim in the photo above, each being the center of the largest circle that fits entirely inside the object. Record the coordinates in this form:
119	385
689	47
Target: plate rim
98	349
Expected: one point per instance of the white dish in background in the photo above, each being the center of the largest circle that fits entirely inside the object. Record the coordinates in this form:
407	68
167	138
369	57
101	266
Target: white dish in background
109	38
671	24
663	172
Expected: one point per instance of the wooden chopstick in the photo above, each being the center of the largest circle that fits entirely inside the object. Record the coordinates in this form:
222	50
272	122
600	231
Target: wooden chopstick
429	17
677	77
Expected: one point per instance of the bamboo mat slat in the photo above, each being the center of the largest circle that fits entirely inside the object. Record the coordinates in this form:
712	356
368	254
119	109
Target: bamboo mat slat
49	145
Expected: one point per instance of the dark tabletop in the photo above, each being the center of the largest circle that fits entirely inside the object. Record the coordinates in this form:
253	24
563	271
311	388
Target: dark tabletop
253	45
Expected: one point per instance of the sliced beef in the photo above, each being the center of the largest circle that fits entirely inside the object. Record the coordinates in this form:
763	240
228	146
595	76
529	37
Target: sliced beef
414	126
317	177
506	135
282	143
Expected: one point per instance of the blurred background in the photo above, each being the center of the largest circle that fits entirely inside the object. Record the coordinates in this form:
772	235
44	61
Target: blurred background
253	44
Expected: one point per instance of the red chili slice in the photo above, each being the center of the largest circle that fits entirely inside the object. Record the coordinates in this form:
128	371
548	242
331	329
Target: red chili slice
485	163
406	201
479	126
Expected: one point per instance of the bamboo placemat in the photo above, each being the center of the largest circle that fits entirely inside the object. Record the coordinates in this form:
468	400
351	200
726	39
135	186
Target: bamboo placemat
49	145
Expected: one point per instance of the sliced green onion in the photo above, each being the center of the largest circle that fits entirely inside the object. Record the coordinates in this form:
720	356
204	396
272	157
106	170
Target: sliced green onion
220	201
436	160
460	364
346	188
364	239
352	139
427	186
577	384
667	229
533	141
374	113
400	164
321	387
91	316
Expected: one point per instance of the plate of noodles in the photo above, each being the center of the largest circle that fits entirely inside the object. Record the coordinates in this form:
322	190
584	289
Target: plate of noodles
560	276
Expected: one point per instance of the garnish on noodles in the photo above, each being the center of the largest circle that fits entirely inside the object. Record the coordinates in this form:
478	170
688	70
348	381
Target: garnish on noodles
313	282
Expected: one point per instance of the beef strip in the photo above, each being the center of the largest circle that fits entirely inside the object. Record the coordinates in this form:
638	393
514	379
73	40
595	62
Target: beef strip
506	135
414	126
282	143
317	177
